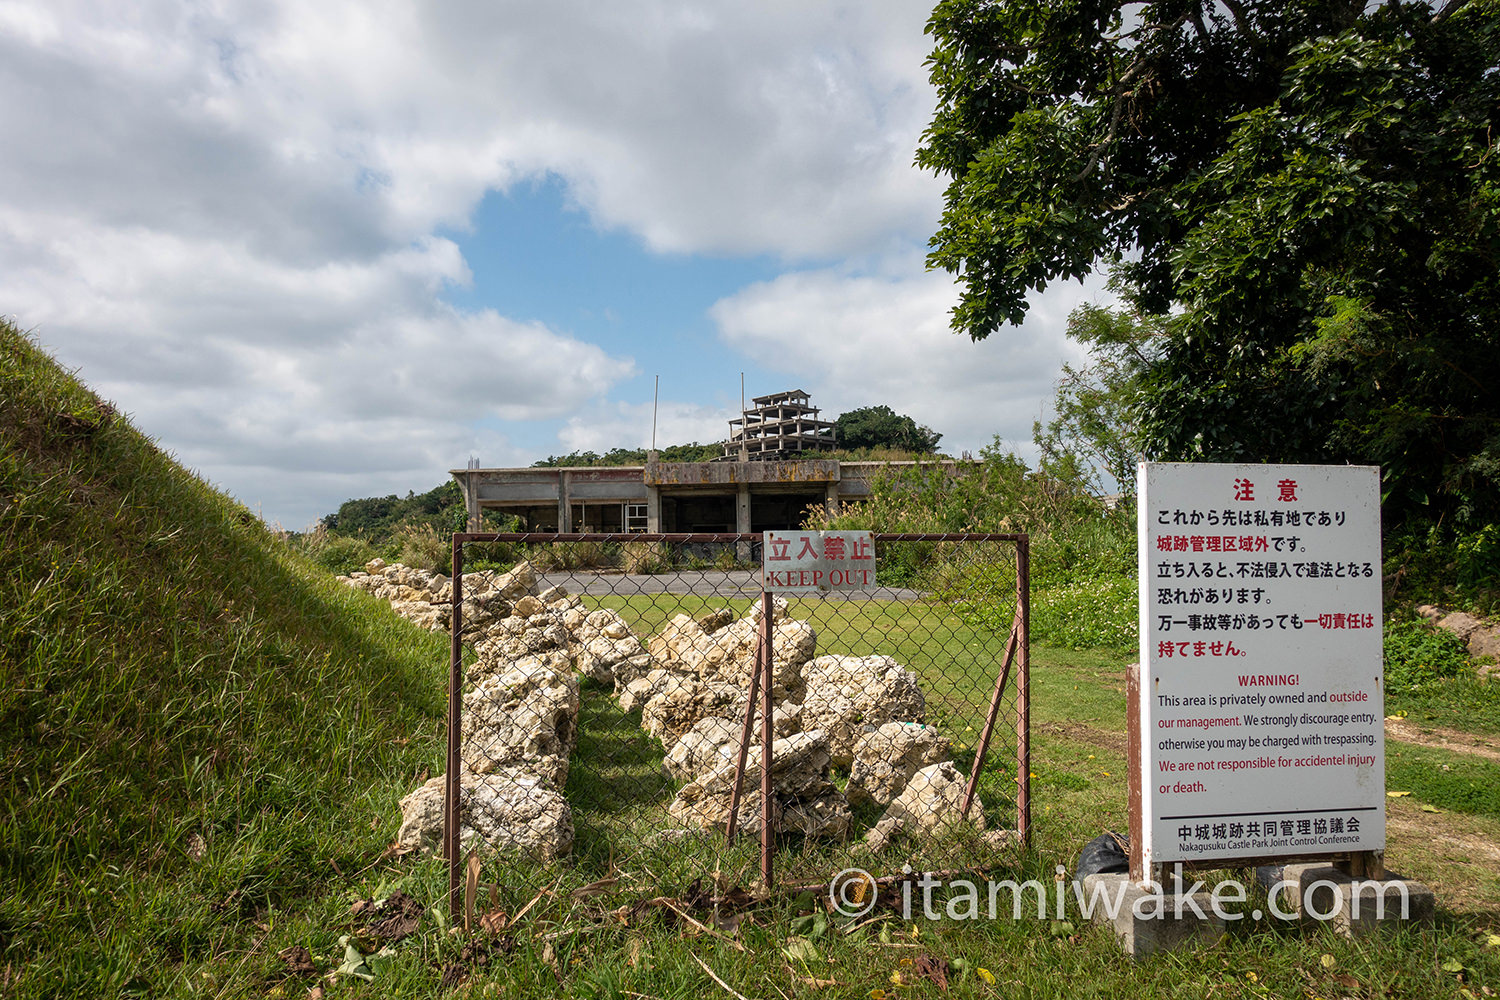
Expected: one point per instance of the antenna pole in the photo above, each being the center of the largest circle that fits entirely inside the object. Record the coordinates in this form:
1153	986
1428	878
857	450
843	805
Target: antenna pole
655	394
744	424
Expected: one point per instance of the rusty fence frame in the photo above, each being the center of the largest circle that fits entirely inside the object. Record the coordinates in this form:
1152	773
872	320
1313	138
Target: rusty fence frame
1017	660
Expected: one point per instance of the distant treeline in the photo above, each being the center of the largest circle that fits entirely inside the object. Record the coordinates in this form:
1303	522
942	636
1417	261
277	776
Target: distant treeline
376	517
694	452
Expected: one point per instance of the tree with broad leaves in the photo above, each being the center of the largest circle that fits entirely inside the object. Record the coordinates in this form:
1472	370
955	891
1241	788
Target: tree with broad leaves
882	427
1304	191
1093	426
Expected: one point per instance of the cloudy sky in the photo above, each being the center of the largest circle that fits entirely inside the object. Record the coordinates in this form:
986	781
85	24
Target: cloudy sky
334	249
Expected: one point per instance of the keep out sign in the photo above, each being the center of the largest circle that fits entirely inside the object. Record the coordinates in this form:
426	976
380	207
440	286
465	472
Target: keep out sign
817	560
1262	704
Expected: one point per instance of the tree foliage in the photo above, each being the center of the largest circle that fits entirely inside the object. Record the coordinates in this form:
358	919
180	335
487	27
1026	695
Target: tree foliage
694	452
1303	190
379	516
1094	425
882	427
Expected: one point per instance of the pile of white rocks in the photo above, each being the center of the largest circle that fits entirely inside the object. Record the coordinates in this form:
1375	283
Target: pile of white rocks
689	682
863	713
520	709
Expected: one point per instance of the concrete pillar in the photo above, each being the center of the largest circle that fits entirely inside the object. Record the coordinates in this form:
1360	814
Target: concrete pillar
653	510
742	509
564	503
470	486
742	522
831	499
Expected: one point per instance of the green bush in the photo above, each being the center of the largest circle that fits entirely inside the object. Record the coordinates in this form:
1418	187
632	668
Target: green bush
574	555
1098	612
1418	653
335	553
423	547
645	557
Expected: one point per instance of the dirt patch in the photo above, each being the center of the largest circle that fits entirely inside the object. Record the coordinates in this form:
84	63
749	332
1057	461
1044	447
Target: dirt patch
1114	742
1438	738
1457	855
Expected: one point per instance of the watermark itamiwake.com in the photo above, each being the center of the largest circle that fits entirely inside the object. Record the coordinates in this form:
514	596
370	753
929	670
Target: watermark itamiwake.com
852	893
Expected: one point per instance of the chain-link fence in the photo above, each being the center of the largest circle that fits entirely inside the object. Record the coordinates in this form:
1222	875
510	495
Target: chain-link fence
609	692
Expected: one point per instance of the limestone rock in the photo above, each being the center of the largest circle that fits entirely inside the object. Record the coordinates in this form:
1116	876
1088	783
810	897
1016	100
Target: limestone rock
635	694
885	759
627	672
710	743
1480	638
928	806
429	616
715	620
779	611
683	702
525	717
676	639
519	582
727	652
603	641
509	810
806	801
553	595
847	694
527	606
1000	840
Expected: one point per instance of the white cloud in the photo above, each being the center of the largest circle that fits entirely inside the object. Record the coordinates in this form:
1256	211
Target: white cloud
628	425
255	370
859	339
228	214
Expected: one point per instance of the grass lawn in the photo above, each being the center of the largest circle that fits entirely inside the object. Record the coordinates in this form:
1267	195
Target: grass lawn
206	738
577	941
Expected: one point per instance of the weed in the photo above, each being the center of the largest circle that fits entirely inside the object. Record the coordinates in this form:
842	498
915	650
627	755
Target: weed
645	557
1417	653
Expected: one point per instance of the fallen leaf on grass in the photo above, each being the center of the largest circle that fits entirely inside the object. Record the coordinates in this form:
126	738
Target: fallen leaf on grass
1396	795
400	916
493	922
593	888
354	963
800	949
929	967
1328	961
813	926
1430	808
298	961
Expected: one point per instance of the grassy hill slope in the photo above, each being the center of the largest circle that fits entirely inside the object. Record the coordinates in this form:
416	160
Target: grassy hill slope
198	725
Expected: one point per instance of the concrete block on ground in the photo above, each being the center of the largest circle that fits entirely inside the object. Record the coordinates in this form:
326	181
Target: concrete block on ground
1356	907
1145	923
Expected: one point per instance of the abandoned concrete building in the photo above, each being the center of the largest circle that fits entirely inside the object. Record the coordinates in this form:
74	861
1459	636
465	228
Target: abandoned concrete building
764	482
665	496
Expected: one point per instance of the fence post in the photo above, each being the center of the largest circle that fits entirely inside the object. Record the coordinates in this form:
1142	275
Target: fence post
1023	690
454	787
983	747
747	731
767	802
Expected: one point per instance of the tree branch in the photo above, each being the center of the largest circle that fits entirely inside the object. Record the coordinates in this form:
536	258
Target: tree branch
1140	62
1237	11
1447	9
1103	144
